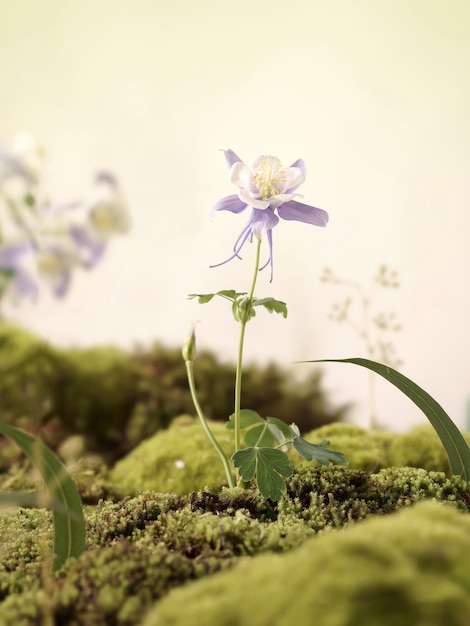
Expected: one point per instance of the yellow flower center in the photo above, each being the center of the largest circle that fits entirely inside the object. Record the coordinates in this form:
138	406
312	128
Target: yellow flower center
269	177
48	263
103	219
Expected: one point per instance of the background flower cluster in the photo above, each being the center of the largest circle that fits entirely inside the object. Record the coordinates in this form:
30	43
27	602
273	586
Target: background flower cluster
42	242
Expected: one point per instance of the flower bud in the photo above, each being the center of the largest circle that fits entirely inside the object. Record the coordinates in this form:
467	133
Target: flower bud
189	346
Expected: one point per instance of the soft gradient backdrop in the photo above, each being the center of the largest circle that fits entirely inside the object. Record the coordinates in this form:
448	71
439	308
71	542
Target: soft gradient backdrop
374	95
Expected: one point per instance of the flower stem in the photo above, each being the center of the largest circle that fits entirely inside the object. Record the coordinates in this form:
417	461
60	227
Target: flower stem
205	425
238	376
18	218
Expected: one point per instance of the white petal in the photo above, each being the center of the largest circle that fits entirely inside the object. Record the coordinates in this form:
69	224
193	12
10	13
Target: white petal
280	198
248	198
293	177
241	175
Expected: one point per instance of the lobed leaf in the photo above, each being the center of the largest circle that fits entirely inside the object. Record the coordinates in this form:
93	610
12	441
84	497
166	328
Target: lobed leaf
272	305
317	452
268	466
280	430
228	294
260	436
248	417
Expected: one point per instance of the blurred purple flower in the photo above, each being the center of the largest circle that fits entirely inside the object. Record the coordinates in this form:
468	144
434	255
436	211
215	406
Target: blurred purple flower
55	264
106	214
267	188
17	267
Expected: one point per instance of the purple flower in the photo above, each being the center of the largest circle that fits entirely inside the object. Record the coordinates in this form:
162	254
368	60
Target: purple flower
269	189
55	264
17	266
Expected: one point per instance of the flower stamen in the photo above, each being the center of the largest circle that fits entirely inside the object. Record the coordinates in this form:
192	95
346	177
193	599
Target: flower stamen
269	177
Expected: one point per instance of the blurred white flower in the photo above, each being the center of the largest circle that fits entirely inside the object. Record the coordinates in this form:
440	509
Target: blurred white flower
24	160
108	211
44	242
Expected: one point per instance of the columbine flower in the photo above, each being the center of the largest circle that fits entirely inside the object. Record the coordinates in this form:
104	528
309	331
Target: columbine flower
108	210
107	214
55	263
268	188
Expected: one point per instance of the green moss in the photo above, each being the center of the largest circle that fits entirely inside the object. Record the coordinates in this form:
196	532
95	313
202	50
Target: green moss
421	447
111	585
409	568
25	541
139	548
333	497
376	449
179	459
367	450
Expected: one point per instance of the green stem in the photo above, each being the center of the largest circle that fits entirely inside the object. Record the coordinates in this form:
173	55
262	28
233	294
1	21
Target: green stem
18	218
205	425
238	376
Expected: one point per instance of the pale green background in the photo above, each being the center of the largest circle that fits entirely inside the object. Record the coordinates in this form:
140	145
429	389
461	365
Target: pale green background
374	95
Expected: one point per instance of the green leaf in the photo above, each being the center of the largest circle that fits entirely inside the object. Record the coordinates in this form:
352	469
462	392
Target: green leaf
268	466
260	436
228	294
202	297
69	523
248	417
29	200
280	430
317	452
455	445
272	305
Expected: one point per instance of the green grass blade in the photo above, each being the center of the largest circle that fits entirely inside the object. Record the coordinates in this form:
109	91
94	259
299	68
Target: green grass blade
455	445
69	524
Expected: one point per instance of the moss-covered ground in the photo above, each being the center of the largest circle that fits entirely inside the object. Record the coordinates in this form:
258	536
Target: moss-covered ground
366	544
382	542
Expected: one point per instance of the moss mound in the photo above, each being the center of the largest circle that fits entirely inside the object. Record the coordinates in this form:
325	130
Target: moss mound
179	459
376	449
408	568
139	548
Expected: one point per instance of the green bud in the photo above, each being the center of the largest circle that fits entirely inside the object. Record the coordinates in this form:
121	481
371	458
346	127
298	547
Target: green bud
242	309
189	346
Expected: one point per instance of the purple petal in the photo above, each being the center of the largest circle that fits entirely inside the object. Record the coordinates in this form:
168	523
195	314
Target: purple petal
243	235
24	284
93	248
301	165
106	178
231	157
10	256
294	210
229	203
269	235
303	168
63	283
240	242
263	221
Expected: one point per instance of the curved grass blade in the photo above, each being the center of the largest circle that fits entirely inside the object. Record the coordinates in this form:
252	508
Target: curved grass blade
455	445
69	524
